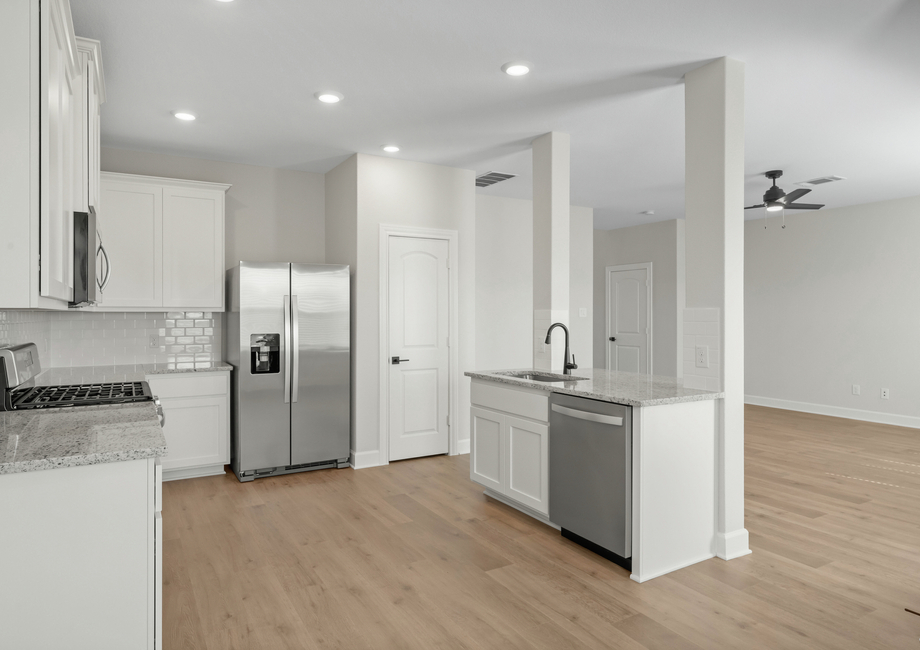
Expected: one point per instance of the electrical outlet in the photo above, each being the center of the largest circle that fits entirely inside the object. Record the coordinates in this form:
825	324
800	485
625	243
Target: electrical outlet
154	341
702	356
884	393
856	389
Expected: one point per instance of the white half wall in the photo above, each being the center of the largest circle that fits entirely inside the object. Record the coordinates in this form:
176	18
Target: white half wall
833	301
662	244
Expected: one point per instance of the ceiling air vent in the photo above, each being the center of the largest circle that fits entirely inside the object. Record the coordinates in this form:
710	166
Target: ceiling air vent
491	178
820	181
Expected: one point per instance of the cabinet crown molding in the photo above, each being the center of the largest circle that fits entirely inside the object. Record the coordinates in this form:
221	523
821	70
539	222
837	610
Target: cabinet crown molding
93	49
158	180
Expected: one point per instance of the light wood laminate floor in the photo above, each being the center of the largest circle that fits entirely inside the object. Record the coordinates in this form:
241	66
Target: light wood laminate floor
412	555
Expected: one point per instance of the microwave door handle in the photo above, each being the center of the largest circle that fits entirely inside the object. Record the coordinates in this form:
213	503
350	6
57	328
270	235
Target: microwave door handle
108	267
285	354
295	349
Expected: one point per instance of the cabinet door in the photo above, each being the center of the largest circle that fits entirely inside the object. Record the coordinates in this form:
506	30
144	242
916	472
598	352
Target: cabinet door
486	448
527	463
58	84
197	431
133	218
193	251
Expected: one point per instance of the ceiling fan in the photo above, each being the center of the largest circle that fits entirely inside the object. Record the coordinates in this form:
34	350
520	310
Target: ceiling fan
775	199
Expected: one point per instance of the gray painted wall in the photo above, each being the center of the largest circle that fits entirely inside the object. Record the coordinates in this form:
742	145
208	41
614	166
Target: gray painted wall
834	300
662	244
272	214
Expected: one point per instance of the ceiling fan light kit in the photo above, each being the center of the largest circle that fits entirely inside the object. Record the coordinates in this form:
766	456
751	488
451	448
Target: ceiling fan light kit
776	200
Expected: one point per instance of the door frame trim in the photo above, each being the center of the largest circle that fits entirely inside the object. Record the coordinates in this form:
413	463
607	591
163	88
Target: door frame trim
453	370
649	293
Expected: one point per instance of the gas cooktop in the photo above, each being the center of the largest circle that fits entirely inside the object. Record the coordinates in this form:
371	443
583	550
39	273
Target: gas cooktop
81	395
19	365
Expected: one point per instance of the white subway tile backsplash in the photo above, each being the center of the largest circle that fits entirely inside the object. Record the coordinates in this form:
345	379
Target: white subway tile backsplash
78	338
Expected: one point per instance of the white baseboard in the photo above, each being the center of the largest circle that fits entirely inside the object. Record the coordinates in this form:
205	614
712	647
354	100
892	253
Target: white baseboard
648	576
193	472
463	446
364	459
835	411
732	545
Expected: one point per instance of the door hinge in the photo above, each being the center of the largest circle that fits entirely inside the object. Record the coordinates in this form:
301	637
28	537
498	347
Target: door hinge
448	262
448	419
448	341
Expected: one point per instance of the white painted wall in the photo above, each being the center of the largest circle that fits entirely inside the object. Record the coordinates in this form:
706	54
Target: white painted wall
581	284
272	215
504	283
831	301
391	191
662	244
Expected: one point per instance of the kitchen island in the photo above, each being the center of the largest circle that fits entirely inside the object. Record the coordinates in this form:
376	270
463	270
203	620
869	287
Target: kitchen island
81	536
673	474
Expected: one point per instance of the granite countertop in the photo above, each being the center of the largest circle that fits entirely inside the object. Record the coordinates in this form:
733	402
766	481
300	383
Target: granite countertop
85	435
100	374
610	386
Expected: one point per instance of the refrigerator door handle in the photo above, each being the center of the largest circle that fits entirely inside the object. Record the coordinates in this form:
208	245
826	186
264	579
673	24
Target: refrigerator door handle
286	353
295	348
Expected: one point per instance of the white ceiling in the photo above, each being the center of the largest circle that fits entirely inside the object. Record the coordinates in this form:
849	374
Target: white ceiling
833	87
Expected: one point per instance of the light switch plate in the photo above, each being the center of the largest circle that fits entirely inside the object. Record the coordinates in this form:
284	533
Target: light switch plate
583	312
702	356
856	389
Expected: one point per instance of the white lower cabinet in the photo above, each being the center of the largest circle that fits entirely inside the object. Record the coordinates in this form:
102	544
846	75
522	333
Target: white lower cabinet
509	448
82	550
197	427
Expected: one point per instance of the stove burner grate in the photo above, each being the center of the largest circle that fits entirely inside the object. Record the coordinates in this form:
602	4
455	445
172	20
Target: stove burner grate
82	395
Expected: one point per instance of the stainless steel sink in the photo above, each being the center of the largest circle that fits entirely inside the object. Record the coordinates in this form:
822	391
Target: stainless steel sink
531	375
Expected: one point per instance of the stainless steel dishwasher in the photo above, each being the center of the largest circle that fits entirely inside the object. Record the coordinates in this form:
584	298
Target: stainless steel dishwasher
590	474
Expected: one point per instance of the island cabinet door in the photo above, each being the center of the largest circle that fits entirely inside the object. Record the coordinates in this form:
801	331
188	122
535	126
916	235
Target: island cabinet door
527	463
486	448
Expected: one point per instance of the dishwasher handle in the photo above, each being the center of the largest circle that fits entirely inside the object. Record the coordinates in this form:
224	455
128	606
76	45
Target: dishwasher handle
586	415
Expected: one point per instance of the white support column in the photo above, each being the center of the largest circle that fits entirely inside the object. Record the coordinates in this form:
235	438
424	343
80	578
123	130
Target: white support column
715	268
550	246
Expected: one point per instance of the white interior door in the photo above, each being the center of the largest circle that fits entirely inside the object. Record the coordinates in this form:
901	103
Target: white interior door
629	320
418	313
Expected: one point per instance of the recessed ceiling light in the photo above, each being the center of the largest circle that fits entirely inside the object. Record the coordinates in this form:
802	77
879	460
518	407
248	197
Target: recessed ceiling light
647	212
516	68
184	116
225	0
390	148
329	97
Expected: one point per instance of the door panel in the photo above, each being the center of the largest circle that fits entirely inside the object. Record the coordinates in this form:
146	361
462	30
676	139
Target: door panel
418	312
528	463
192	272
265	424
133	217
486	449
628	320
321	409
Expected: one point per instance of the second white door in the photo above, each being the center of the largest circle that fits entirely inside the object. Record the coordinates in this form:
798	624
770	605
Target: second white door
418	355
629	327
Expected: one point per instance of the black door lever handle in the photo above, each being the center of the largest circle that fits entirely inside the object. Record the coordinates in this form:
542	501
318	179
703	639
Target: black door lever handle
396	360
613	338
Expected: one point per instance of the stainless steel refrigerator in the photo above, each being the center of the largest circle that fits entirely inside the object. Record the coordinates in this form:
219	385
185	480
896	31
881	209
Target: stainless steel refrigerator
287	336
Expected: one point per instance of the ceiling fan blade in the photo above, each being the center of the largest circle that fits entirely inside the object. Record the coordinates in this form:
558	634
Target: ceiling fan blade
754	206
804	206
795	194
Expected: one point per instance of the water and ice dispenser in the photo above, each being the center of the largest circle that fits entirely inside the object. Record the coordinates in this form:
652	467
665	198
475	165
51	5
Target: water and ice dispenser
265	353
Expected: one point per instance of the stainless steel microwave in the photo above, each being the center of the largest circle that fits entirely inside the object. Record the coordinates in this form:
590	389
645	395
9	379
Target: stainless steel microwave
87	250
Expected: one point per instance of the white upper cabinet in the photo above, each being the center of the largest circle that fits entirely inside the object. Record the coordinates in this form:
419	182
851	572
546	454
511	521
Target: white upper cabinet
90	97
133	218
50	147
165	242
193	247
